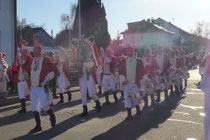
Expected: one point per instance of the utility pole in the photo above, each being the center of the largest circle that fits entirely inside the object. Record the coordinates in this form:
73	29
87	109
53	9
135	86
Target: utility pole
79	2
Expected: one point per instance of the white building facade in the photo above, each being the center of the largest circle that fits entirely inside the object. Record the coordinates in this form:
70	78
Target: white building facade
7	29
149	39
144	34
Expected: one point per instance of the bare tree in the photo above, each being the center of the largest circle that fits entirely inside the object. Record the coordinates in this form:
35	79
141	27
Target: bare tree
202	29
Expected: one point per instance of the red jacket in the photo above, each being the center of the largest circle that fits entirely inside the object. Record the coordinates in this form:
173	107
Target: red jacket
47	67
140	71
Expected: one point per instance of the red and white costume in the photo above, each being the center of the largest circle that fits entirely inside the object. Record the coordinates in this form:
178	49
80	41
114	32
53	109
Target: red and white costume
86	82
41	70
132	70
163	62
3	75
150	65
64	69
109	73
23	83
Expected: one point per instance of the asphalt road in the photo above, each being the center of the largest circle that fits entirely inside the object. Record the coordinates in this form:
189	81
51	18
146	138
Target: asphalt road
179	119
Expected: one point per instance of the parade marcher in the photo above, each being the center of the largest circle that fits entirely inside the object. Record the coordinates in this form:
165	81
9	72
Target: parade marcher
132	69
186	62
53	82
100	71
206	89
121	78
21	65
64	77
163	66
86	62
150	65
109	80
201	62
41	71
3	76
175	62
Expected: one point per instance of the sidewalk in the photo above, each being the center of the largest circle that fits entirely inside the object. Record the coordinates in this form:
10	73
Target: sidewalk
13	98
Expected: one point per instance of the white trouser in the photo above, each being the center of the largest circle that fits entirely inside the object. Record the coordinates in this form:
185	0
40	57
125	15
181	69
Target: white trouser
201	70
22	89
132	96
99	72
121	80
109	81
39	99
87	85
63	83
207	116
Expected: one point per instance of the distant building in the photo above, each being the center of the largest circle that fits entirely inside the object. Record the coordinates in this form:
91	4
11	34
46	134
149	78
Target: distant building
43	37
48	43
8	28
145	34
182	37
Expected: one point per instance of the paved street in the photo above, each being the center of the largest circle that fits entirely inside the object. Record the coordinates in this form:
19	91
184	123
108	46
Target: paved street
179	119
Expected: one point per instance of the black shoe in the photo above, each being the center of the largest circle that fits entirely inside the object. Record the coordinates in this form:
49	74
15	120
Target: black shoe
145	107
116	100
138	113
36	129
98	106
84	113
60	102
106	103
55	97
69	96
157	100
52	117
21	111
128	118
61	98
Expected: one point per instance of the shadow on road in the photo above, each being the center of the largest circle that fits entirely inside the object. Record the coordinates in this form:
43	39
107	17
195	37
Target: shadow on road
149	119
125	130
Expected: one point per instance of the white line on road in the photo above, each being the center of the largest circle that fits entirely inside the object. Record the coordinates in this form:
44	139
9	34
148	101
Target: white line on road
195	89
192	107
191	139
193	93
183	113
202	114
177	120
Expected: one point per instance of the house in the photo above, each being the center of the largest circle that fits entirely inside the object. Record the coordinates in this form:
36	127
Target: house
48	43
181	37
43	37
7	29
144	33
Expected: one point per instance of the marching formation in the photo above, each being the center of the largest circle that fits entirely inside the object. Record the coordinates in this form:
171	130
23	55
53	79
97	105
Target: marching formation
137	78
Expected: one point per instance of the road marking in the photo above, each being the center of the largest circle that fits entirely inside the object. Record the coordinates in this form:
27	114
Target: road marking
191	139
195	89
193	93
192	107
183	113
177	120
202	114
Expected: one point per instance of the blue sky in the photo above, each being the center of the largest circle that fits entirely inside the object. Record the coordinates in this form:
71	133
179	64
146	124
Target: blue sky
183	13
